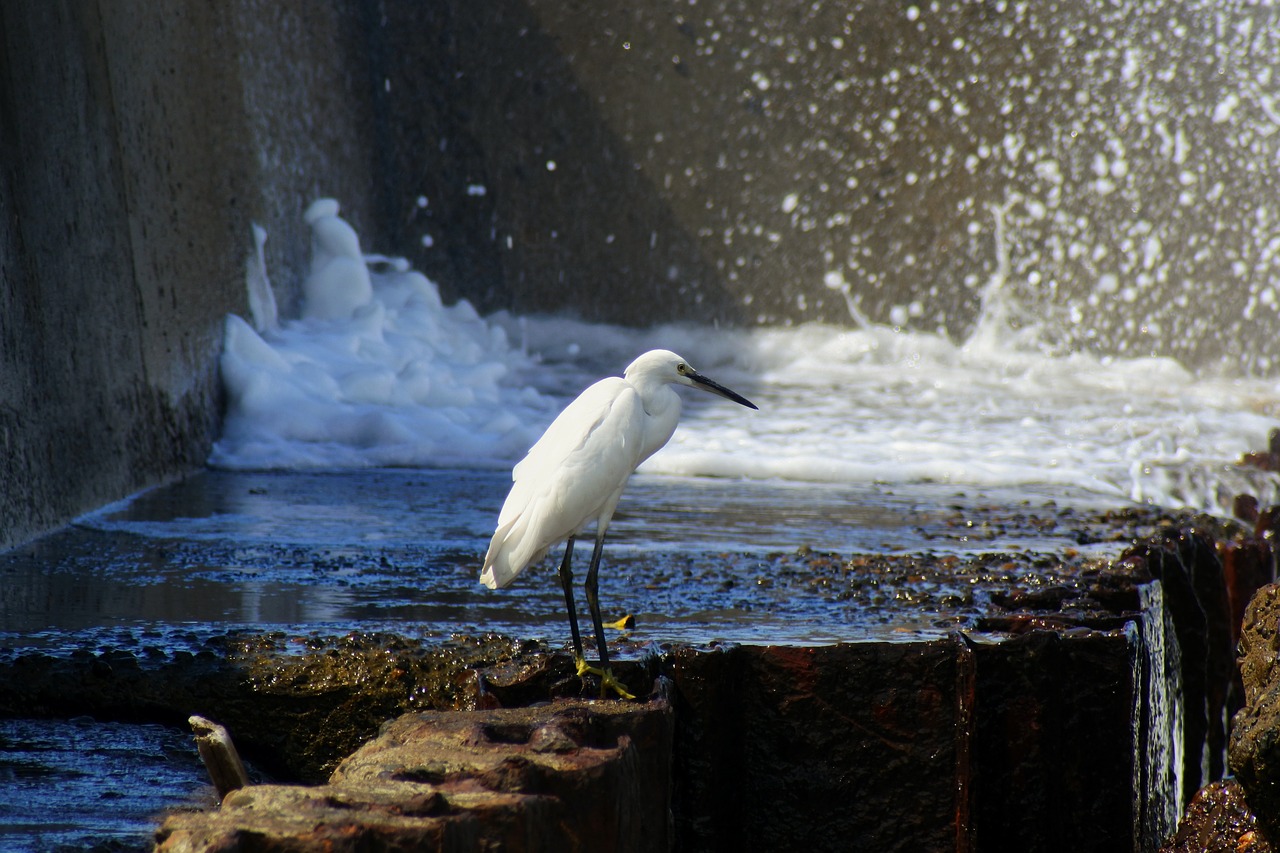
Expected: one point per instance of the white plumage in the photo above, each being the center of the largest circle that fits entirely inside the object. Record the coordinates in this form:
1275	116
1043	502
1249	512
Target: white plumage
575	474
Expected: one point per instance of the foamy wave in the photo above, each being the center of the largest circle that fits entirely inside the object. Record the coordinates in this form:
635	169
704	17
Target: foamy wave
381	373
378	373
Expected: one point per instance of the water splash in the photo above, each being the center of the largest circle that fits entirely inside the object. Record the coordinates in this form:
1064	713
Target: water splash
385	374
1003	323
377	372
262	299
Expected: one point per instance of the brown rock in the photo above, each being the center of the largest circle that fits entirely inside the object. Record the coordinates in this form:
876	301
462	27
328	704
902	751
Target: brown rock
561	776
1218	820
604	763
1255	730
297	818
1259	645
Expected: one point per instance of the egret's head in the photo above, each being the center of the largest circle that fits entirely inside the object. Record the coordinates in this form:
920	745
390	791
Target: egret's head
665	366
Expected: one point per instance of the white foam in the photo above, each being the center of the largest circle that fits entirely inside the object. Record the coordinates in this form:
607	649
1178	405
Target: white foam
339	283
387	375
379	372
262	299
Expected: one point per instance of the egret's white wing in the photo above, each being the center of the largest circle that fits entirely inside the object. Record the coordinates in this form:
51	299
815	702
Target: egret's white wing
566	435
576	469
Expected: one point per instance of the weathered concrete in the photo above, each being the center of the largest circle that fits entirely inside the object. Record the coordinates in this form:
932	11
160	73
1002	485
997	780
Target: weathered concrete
106	377
821	748
1189	567
759	161
559	777
817	748
135	156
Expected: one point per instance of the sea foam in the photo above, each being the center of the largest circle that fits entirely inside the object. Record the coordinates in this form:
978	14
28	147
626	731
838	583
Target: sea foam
379	372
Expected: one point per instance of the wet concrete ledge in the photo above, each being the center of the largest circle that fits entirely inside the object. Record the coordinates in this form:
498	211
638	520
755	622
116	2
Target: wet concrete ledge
1031	741
1057	725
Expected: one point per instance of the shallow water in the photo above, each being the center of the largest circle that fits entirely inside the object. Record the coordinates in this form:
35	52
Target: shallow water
82	785
401	550
697	560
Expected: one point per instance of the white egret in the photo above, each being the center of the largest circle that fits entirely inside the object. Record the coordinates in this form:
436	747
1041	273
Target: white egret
576	472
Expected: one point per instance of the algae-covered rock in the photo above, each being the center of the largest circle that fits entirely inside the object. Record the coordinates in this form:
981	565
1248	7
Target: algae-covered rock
1255	730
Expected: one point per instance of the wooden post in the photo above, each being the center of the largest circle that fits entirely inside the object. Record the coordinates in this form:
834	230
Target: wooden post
219	756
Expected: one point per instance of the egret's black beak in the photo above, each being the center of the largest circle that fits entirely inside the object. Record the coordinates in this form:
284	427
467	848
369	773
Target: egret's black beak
714	387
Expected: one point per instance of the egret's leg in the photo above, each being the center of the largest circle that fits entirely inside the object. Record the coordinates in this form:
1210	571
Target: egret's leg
566	581
607	681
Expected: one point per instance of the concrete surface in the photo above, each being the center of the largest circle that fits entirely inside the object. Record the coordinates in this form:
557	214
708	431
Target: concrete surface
136	155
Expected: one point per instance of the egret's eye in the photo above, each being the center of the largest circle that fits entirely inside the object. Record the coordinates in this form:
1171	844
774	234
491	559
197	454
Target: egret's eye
680	368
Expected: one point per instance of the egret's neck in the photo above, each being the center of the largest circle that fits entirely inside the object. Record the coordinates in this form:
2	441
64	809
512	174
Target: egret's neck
662	407
659	398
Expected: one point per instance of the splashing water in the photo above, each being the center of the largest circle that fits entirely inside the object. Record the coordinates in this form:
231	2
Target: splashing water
379	372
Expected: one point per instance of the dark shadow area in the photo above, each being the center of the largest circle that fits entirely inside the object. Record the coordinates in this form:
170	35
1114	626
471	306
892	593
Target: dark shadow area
532	201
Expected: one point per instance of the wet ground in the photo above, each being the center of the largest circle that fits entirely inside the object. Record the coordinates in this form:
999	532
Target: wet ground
696	562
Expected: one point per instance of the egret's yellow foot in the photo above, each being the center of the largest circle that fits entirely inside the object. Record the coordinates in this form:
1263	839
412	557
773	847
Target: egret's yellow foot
626	623
607	681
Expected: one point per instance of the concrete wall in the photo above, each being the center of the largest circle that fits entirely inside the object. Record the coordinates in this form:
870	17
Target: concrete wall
136	149
756	162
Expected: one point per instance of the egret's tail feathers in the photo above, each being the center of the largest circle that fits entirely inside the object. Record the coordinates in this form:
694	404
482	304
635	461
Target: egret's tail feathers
497	571
506	558
491	578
